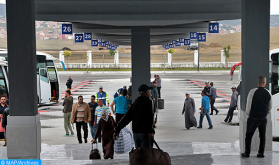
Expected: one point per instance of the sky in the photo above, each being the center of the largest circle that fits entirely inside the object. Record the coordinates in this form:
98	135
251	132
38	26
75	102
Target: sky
274	6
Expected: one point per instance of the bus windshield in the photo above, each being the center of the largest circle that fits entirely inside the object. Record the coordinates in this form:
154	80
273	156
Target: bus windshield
41	62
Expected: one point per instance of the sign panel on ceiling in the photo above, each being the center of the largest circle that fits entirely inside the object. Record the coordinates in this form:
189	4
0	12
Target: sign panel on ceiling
193	35
87	36
94	42
201	37
78	38
213	28
67	29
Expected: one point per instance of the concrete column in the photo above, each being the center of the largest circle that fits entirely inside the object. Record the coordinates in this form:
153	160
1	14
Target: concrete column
255	60
169	59
89	58
223	57
61	57
116	58
140	37
24	127
196	56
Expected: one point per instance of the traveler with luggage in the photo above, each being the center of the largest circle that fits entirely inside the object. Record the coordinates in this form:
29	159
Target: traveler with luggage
106	125
122	104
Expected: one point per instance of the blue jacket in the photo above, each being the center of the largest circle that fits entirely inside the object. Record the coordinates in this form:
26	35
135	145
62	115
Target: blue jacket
118	92
212	95
205	103
102	96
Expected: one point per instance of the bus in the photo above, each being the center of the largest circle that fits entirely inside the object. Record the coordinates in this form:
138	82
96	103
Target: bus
273	88
48	83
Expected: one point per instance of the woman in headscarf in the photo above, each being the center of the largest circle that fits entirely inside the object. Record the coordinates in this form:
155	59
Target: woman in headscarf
106	125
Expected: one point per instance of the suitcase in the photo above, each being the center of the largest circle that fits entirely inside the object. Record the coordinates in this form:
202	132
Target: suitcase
95	153
160	103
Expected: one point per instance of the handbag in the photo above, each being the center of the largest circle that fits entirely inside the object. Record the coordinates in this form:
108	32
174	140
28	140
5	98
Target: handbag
149	156
125	141
95	153
1	128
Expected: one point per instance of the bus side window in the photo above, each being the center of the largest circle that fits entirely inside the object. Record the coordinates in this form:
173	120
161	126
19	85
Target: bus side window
275	74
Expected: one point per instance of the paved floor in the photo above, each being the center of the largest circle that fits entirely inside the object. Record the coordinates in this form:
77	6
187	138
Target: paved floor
219	146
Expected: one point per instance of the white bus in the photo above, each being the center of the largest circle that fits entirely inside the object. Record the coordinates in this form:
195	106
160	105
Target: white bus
48	84
273	87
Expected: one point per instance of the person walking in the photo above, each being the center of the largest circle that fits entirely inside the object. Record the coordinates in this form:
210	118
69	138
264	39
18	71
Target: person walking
212	97
207	88
67	110
102	95
3	105
119	91
259	104
159	86
205	110
142	117
106	125
122	104
69	83
233	106
81	115
92	106
188	111
4	123
98	114
154	98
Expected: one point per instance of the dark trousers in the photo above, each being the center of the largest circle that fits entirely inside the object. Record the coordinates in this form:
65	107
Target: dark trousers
252	125
85	130
118	117
230	114
212	106
159	91
142	140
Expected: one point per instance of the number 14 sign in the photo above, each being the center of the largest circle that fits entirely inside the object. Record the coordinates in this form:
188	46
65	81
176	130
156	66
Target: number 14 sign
213	28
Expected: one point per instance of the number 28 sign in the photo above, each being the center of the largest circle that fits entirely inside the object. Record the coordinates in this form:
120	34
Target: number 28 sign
213	28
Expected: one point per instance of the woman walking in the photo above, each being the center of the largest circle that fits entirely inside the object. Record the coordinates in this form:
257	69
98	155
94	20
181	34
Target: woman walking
106	125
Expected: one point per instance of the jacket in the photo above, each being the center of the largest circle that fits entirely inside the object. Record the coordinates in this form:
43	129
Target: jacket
142	116
69	83
207	90
5	116
154	92
68	104
205	103
212	95
234	99
103	96
87	113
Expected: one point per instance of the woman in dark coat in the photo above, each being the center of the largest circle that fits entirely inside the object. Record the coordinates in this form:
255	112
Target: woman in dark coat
106	125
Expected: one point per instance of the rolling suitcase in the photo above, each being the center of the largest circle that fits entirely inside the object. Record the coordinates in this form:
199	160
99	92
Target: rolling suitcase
95	153
160	103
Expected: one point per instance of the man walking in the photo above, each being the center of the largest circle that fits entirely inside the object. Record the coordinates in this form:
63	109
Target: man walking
189	110
159	85
142	117
233	106
69	83
102	95
68	104
205	110
81	115
92	106
154	98
119	91
3	105
212	97
207	88
259	104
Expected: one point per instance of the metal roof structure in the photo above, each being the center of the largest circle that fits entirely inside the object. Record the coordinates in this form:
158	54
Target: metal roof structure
112	20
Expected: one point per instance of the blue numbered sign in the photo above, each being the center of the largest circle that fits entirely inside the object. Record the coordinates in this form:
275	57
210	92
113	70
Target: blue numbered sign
163	46
116	46
213	28
167	47
171	46
177	43
94	42
187	42
103	44
107	42
78	37
173	41
87	36
181	40
201	37
99	41
109	46
193	35
113	48
67	29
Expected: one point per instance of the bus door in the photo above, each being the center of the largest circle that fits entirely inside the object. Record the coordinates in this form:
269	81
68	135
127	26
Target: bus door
54	84
274	83
45	93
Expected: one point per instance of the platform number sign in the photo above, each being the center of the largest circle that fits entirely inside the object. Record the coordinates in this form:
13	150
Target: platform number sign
187	42
173	41
181	40
171	46
107	42
99	41
87	36
201	37
78	38
193	35
103	44
94	42
67	29
177	43
213	28
116	46
167	47
163	46
109	46
113	48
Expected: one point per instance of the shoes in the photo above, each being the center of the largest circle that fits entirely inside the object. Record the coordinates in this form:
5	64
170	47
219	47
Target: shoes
260	155
199	127
66	135
80	142
72	134
211	113
245	155
217	112
85	140
187	128
210	127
